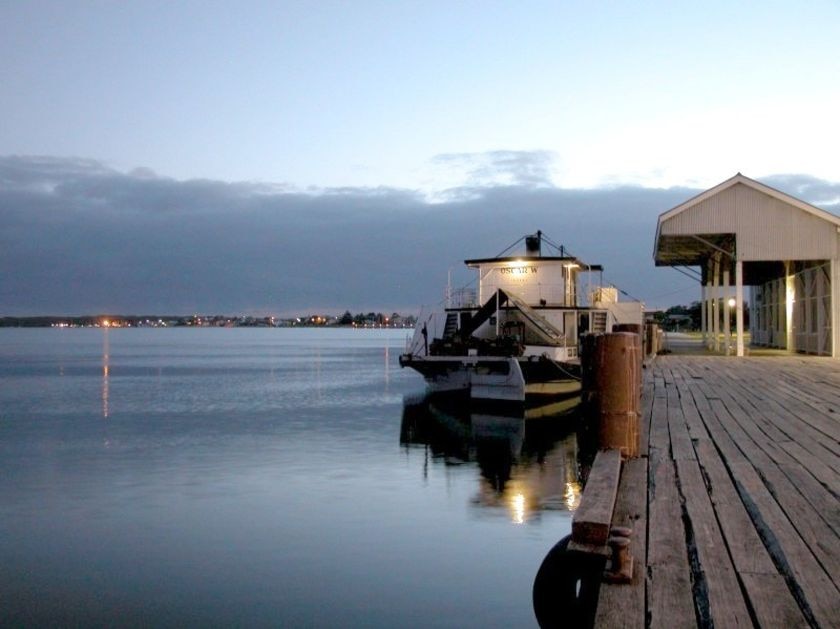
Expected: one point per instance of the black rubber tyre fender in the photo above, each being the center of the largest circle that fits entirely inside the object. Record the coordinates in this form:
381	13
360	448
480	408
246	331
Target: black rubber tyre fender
566	587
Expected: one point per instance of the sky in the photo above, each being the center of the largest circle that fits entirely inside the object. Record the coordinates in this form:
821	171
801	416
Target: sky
285	156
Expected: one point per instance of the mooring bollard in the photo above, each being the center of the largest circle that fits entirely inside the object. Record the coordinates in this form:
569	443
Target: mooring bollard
636	329
621	560
618	391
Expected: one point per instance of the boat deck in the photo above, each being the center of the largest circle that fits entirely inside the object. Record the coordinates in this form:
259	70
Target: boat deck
735	509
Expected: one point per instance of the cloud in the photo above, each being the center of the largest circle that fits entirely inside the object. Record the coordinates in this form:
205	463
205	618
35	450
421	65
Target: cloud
79	237
494	168
823	194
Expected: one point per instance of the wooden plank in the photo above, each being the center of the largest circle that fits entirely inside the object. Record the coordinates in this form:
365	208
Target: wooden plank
695	426
816	593
818	468
623	605
822	499
681	446
806	409
669	598
824	503
819	537
591	520
659	437
810	439
822	418
680	441
717	593
646	410
772	601
745	546
670	602
783	410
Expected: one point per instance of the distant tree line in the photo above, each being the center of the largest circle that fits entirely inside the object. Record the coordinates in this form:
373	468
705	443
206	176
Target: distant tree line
689	317
376	318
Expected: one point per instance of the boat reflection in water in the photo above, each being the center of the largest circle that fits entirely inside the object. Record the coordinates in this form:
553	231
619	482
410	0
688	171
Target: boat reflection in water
528	459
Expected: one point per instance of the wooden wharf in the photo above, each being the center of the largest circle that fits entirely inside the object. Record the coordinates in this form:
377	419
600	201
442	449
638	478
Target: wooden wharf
734	501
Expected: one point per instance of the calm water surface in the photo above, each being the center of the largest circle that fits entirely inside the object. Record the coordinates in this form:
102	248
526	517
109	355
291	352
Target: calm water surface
262	477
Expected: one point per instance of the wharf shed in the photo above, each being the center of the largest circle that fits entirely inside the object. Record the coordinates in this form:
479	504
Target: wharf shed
744	233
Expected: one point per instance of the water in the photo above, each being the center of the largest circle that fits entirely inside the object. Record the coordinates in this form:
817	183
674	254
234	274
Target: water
281	477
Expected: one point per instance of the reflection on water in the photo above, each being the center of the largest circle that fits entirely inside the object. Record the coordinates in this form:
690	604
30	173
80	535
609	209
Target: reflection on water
255	477
106	358
527	465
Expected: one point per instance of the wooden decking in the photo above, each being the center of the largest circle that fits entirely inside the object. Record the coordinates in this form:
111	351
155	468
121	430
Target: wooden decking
735	508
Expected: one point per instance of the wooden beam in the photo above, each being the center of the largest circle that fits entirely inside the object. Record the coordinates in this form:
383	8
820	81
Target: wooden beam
623	605
591	521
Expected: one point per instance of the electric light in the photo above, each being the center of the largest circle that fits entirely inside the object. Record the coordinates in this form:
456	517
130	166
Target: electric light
517	505
573	491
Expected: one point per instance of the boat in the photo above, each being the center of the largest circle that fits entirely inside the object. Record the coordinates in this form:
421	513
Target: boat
517	337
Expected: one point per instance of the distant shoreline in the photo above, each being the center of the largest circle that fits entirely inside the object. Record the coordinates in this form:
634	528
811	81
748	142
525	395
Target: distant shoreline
370	320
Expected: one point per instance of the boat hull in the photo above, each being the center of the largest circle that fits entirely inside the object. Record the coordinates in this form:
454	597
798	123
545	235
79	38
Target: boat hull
518	379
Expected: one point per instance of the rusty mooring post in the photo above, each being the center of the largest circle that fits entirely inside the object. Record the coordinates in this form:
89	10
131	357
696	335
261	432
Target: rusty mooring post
636	329
618	391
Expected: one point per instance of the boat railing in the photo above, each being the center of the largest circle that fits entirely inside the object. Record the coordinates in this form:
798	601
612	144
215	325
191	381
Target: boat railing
603	295
462	298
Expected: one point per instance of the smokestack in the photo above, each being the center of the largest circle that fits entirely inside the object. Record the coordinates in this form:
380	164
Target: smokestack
533	244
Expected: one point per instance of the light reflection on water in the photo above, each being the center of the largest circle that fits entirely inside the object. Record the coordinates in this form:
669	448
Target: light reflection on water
106	351
527	466
261	477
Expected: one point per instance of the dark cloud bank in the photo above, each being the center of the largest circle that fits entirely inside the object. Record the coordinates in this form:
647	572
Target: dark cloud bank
77	237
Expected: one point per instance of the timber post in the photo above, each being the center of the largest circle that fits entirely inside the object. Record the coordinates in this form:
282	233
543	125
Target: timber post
618	379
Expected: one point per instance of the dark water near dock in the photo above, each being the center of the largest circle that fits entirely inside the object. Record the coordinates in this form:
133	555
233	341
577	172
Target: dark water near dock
262	477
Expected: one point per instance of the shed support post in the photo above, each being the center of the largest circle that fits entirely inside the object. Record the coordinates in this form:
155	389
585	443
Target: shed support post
710	315
739	308
716	305
835	308
703	299
727	314
790	299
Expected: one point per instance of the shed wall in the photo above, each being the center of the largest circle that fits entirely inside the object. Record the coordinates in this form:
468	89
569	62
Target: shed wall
767	228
